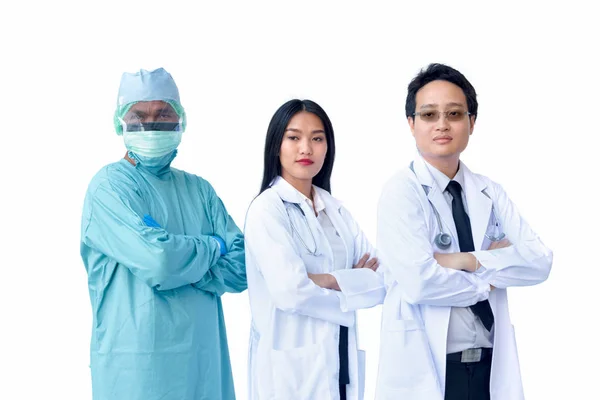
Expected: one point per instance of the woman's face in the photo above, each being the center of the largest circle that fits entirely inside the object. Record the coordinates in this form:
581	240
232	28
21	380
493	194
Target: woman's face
303	148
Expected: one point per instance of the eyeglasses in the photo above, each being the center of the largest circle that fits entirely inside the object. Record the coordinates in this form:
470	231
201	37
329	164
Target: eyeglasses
434	115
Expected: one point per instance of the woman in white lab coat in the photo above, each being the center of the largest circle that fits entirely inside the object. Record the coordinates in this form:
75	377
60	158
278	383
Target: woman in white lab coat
309	267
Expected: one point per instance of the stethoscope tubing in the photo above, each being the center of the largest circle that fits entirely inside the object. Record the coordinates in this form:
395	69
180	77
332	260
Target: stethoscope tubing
311	252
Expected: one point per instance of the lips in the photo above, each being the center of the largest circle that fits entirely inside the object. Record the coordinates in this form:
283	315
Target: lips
305	161
442	139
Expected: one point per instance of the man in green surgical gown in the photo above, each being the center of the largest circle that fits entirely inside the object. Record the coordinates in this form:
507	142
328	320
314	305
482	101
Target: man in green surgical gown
160	249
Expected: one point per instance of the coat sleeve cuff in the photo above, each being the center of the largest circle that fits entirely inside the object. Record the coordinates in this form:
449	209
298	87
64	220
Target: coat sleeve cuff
360	288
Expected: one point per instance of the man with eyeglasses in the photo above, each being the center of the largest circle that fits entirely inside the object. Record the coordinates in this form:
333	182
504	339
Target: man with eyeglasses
451	242
159	249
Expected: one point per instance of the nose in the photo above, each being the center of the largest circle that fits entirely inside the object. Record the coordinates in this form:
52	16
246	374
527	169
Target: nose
305	146
442	123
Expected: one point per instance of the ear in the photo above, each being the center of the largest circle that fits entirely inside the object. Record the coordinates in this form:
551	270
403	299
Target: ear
472	128
411	124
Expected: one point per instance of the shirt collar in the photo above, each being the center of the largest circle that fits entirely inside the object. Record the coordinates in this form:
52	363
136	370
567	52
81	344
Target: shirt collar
290	194
442	180
318	200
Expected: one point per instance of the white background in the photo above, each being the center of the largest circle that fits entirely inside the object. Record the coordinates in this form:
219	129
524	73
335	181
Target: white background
235	64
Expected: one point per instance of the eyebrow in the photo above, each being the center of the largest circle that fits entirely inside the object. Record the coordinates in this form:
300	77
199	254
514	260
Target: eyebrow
434	105
299	131
160	111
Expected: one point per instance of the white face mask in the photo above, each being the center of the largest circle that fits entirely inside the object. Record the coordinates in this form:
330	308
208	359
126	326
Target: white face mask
152	143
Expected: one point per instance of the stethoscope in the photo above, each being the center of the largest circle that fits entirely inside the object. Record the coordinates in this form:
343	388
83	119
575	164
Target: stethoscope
296	205
443	240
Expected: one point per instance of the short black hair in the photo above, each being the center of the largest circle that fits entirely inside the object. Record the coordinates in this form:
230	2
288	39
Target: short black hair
440	72
277	127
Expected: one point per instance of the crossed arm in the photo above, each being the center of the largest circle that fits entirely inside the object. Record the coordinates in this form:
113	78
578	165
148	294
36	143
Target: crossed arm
458	279
466	261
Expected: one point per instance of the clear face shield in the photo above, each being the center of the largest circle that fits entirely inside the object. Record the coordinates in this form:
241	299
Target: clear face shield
151	116
151	128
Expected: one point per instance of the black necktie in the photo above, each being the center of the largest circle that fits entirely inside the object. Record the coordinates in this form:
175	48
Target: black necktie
343	350
465	240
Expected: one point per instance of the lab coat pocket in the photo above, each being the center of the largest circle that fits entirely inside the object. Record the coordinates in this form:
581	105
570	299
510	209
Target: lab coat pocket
405	361
301	373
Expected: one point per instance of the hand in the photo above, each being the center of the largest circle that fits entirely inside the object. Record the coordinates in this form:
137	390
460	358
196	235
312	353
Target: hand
457	261
500	244
371	264
326	281
222	245
149	221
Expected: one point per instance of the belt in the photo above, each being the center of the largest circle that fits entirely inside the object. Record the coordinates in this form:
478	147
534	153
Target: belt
470	355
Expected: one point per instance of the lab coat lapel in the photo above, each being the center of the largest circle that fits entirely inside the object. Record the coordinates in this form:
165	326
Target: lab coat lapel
479	205
289	194
436	196
333	208
313	224
286	191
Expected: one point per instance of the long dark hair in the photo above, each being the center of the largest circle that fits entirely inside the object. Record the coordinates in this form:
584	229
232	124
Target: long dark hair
277	127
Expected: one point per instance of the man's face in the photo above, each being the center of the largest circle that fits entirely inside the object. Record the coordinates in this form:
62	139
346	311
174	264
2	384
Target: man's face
150	111
446	136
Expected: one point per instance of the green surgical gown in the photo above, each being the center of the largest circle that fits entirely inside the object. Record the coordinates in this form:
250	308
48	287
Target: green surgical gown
158	328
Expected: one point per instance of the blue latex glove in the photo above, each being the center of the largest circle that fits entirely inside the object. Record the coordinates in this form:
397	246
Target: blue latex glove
149	221
222	245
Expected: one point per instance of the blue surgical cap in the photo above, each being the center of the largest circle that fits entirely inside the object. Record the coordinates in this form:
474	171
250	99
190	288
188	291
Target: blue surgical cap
146	86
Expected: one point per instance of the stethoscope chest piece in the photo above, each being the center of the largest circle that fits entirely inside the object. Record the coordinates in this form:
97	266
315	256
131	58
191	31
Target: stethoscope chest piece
443	240
495	238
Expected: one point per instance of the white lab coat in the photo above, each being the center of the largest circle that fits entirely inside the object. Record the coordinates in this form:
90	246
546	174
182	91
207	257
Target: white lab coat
295	324
420	292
